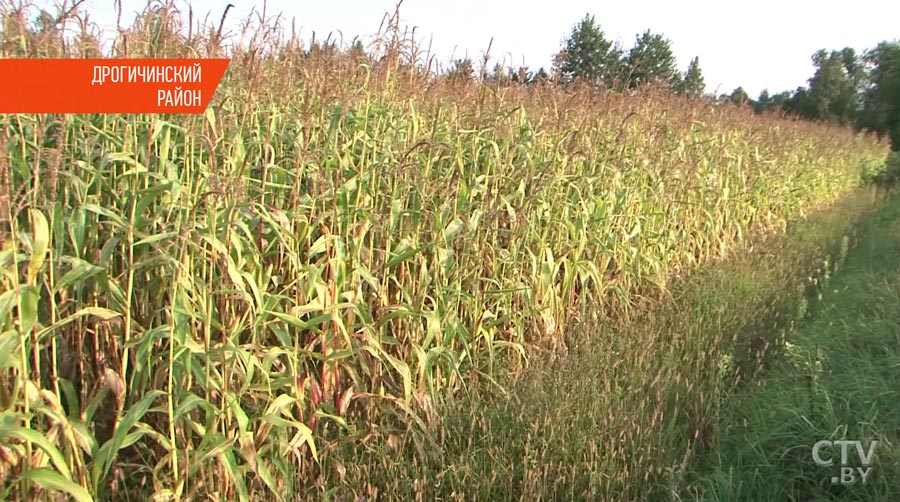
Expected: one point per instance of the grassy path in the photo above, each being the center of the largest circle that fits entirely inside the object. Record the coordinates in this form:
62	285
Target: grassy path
839	378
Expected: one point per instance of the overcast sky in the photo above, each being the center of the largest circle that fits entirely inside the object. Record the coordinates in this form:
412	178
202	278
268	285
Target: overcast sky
757	45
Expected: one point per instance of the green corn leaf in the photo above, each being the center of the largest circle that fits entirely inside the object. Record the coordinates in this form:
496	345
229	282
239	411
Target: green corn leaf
81	271
28	301
44	444
51	480
104	457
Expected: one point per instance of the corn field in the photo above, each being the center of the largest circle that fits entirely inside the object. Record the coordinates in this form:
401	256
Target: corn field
204	306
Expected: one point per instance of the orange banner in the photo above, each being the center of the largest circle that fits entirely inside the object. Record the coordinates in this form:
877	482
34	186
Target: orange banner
108	85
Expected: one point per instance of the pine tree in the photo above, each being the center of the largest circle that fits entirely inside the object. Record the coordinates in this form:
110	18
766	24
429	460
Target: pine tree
692	84
462	71
651	61
587	56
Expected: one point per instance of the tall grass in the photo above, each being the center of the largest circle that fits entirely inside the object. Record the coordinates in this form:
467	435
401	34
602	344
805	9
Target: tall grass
836	378
208	305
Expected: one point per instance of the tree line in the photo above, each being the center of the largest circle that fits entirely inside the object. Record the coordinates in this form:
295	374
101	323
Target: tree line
861	90
588	57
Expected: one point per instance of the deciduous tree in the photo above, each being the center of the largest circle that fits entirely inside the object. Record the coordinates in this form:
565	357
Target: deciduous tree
834	88
881	109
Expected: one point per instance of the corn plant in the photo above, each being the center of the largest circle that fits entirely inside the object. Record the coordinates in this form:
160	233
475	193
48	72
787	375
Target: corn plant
210	305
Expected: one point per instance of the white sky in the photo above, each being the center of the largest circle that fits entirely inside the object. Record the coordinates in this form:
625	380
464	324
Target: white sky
757	45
